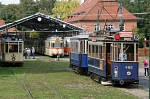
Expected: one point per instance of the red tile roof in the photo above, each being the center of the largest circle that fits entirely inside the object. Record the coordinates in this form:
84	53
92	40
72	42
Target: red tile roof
12	29
109	9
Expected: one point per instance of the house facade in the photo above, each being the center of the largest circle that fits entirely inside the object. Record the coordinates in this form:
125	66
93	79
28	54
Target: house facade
93	15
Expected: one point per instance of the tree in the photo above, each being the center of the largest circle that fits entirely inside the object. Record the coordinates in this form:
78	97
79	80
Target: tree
34	35
28	7
45	6
135	30
11	12
64	7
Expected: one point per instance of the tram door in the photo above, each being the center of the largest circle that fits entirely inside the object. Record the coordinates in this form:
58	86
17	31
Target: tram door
108	60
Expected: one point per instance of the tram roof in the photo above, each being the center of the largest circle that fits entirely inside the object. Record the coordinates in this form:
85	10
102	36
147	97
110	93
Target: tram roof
115	41
81	37
43	23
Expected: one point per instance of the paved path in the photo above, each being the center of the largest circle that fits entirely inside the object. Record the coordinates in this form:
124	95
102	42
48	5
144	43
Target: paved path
142	89
143	81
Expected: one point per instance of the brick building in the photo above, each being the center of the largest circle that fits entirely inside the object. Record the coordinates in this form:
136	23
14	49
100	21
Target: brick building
86	16
10	30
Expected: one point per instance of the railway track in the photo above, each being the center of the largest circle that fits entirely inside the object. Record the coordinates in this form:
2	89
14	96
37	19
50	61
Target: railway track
23	86
47	84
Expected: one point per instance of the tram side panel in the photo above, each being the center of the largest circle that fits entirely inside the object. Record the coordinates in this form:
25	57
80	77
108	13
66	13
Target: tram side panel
78	54
96	61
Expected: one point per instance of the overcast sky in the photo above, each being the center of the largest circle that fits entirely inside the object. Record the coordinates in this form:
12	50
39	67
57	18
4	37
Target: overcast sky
9	1
14	1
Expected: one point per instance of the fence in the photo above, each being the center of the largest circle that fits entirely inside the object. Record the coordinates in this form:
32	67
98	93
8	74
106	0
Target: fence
143	52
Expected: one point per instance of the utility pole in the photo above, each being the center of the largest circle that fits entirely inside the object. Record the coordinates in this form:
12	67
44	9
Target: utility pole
98	25
6	29
120	15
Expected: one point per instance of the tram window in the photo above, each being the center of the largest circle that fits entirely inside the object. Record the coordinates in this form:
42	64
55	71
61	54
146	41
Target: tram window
71	47
82	47
66	44
112	52
57	45
115	53
13	47
100	52
20	47
52	45
76	47
61	44
104	51
89	50
129	50
93	52
6	47
97	51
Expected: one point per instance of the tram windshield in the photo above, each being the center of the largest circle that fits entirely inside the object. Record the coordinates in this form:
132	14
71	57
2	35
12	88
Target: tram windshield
124	52
57	45
13	47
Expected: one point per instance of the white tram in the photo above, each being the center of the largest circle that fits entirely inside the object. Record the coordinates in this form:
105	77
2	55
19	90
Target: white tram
12	51
54	46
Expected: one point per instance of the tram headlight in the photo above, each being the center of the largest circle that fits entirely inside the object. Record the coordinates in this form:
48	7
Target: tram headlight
129	73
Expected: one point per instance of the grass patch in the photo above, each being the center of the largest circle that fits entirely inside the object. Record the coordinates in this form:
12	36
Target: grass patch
69	84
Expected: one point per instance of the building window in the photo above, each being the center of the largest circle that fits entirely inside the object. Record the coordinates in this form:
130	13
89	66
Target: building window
122	27
96	27
109	26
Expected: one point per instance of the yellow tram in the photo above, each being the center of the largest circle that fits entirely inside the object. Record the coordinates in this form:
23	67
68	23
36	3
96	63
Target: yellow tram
12	51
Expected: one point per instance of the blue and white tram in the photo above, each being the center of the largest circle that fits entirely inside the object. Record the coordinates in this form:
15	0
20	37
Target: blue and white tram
78	53
113	60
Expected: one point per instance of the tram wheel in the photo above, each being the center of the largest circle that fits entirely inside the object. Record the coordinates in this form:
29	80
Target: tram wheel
92	76
100	80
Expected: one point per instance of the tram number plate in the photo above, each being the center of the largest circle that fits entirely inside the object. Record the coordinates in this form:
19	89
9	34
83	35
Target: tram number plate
129	67
127	39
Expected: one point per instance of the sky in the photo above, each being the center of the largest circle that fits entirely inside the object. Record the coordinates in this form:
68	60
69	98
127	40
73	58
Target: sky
6	2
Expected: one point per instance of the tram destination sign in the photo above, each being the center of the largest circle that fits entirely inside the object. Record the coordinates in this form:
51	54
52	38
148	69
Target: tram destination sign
126	34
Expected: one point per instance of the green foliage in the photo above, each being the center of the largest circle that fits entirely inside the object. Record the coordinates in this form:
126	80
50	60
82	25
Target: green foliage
34	35
45	6
64	7
11	13
135	30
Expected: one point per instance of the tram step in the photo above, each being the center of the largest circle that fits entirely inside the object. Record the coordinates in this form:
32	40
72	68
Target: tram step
106	83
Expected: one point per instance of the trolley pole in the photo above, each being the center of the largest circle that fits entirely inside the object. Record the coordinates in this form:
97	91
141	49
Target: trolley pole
120	15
